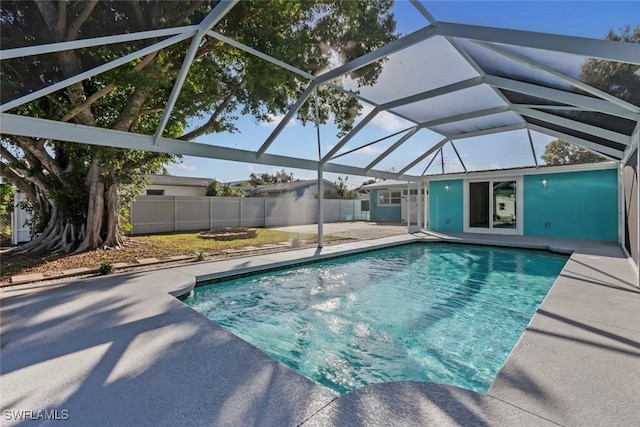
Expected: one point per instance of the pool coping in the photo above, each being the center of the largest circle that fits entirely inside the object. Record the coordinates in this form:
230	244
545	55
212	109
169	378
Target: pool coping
584	327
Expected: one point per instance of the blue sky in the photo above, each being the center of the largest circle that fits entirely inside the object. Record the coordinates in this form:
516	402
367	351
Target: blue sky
577	18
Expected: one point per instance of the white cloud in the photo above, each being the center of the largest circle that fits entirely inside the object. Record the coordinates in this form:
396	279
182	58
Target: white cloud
386	121
182	167
275	120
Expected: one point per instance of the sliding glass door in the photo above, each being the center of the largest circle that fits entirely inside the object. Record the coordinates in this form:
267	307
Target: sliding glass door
492	206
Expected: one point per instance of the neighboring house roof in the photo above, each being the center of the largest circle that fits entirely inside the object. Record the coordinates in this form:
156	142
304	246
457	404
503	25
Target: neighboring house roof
185	181
389	183
286	186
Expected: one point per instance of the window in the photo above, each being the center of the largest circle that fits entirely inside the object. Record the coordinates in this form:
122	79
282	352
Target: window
389	197
155	192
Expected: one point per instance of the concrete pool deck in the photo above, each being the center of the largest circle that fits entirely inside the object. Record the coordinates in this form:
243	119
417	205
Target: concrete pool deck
121	350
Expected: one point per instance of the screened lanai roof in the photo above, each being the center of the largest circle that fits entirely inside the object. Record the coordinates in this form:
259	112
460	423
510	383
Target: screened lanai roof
451	90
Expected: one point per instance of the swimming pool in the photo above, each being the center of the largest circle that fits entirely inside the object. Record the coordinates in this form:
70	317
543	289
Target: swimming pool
436	312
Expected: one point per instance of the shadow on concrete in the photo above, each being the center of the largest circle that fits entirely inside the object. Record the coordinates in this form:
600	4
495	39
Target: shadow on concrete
111	354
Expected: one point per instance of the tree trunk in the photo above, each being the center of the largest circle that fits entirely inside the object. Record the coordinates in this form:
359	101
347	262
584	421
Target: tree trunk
113	237
95	212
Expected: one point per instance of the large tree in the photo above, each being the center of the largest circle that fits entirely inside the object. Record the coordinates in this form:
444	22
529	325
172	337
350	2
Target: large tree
560	152
619	79
76	190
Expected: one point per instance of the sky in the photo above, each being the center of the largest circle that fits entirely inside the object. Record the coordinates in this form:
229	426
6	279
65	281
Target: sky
592	19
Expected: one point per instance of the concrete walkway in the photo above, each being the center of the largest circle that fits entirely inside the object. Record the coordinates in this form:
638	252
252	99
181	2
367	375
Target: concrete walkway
120	350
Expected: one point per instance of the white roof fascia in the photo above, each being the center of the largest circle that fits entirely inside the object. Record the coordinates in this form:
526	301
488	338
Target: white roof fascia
524	171
95	71
96	41
595	48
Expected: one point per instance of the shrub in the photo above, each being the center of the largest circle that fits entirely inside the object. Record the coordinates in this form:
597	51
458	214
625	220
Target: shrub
105	268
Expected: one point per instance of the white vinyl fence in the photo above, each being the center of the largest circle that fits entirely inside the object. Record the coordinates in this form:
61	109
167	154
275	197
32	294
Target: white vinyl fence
159	214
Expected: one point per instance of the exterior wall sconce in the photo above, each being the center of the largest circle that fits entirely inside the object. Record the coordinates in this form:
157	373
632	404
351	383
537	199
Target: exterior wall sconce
447	188
545	183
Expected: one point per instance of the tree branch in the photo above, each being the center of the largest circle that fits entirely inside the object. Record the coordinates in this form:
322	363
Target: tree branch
104	91
36	149
72	32
212	123
51	18
18	181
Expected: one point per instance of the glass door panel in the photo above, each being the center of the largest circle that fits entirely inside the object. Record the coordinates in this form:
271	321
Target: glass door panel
504	204
479	204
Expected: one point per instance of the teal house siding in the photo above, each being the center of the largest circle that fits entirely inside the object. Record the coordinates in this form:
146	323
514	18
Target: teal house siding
575	204
445	207
384	213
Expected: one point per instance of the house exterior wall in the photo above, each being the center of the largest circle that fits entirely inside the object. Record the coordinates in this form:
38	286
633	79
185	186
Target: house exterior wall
179	190
384	213
581	205
577	204
446	207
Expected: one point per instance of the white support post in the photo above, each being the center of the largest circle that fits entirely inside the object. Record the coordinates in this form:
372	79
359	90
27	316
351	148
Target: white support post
320	208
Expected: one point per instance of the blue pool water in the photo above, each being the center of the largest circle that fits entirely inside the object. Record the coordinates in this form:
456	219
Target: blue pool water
423	312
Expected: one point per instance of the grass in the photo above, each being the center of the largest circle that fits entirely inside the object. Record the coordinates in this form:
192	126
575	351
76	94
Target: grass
160	246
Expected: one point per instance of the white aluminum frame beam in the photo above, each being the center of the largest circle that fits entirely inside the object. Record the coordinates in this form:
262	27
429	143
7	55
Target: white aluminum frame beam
459	158
563	77
97	41
424	12
392	148
41	128
488	131
286	119
556	95
94	71
386	50
454	87
533	150
610	153
467	116
599	49
620	138
424	156
435	156
365	121
372	142
218	12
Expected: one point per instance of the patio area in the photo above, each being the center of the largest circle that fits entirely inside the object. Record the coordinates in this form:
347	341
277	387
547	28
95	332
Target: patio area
123	350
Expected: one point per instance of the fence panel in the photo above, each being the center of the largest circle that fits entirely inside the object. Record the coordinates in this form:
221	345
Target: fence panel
225	212
253	210
192	213
158	214
153	214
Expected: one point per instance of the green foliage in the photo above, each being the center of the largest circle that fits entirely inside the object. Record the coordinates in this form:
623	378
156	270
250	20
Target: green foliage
7	190
216	189
343	190
222	81
200	255
279	177
619	79
560	152
105	268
